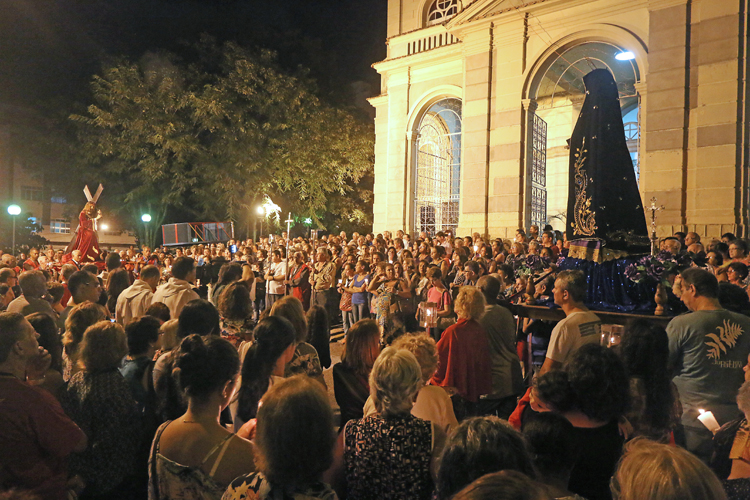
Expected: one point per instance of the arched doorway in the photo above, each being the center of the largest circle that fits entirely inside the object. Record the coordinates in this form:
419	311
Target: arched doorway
438	168
558	93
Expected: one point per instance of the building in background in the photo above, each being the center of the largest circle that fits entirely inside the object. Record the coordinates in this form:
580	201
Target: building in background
479	97
25	187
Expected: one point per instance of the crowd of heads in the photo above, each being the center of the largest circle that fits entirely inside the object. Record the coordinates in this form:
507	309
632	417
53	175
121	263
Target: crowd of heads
483	457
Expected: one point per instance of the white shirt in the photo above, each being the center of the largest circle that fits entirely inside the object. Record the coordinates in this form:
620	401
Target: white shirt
277	270
576	330
133	302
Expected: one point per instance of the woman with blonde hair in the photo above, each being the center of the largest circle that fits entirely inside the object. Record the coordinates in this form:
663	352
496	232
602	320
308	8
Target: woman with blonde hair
390	454
465	369
99	400
79	319
433	403
655	471
169	338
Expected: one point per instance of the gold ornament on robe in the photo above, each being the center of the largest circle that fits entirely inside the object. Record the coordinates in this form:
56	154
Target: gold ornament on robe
584	218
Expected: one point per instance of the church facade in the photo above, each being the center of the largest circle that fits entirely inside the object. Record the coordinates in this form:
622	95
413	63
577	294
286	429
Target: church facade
479	98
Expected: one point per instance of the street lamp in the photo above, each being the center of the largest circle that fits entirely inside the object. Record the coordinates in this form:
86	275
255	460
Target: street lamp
261	213
146	218
14	210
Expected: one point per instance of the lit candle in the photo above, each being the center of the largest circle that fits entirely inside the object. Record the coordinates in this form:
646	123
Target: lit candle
707	418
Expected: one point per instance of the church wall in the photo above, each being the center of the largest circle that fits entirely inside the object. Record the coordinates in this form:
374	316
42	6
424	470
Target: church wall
693	158
397	116
691	62
506	201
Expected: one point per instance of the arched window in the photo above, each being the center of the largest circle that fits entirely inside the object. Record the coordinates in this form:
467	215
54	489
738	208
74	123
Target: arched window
438	168
440	11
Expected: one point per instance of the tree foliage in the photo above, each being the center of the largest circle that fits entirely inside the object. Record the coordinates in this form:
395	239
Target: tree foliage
211	136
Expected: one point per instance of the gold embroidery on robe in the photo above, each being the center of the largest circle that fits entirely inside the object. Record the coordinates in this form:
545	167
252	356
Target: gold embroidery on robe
584	219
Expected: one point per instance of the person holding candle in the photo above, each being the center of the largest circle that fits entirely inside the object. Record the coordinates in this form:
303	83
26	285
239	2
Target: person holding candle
707	349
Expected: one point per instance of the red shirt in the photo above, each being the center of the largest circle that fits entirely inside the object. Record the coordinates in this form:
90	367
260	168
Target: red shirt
464	353
30	265
36	437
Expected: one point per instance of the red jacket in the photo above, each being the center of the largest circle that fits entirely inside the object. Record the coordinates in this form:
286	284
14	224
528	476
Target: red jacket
464	353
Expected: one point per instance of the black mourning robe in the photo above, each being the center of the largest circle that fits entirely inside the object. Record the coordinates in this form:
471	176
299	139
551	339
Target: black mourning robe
603	199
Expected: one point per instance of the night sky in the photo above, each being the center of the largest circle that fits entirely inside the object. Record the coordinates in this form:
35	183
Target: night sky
50	48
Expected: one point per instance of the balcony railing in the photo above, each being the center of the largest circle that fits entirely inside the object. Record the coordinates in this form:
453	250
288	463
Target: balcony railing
431	42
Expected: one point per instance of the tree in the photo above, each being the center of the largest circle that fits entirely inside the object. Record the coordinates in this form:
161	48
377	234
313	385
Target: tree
26	233
211	137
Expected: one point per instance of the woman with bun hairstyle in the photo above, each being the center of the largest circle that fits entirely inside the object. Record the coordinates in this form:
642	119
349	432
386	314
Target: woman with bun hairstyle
195	457
273	347
197	317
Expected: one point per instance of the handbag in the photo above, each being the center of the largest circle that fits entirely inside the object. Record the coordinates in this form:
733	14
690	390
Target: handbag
345	304
395	305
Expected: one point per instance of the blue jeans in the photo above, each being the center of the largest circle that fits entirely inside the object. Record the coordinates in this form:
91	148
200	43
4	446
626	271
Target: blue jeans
360	311
348	319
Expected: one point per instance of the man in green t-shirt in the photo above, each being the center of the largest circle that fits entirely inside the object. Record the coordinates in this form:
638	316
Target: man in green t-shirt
707	349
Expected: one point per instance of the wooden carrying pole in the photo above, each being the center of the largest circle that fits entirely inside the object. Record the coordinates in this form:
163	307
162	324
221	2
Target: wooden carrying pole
288	288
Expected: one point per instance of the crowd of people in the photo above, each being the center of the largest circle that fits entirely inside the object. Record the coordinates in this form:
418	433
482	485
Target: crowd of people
198	372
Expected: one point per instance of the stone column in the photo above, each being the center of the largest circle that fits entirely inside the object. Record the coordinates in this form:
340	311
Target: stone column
717	177
664	158
477	49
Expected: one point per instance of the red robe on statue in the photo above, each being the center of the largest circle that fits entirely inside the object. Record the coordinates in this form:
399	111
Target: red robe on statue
85	240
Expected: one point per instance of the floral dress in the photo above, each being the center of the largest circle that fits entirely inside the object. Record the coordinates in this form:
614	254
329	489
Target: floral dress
255	486
236	331
305	360
381	303
388	458
104	408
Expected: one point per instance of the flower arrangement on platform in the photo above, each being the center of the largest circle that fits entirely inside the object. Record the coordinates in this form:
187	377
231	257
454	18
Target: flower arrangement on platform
657	268
531	264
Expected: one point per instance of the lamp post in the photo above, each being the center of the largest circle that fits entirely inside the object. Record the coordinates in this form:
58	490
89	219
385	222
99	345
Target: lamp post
146	218
261	213
14	210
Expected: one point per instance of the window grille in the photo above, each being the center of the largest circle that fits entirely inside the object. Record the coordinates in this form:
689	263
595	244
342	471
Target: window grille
441	10
538	171
438	168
